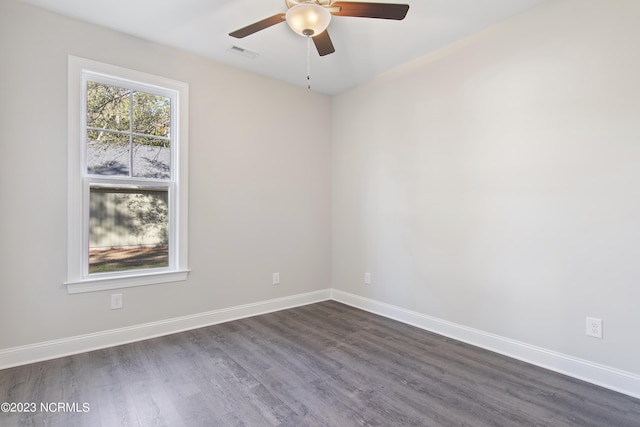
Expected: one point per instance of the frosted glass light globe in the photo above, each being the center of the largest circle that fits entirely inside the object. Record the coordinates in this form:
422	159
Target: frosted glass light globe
308	19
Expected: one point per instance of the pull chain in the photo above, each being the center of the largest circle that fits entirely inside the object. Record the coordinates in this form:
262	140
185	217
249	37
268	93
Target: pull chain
309	62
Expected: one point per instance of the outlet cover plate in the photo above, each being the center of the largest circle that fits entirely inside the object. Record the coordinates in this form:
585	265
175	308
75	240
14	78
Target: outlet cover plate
116	301
594	327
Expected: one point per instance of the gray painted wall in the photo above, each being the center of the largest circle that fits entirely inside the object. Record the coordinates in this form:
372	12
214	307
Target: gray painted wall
494	184
259	196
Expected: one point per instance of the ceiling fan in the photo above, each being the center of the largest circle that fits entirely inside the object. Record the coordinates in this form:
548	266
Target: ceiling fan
310	18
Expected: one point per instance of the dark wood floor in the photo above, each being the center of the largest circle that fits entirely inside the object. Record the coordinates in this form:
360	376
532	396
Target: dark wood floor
324	364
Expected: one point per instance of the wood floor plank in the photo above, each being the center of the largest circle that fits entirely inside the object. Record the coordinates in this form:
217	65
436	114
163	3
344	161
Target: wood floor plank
324	364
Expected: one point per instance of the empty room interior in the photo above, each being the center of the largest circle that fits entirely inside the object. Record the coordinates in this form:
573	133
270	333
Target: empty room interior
431	219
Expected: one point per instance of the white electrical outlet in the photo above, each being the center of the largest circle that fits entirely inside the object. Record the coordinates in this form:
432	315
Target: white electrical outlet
367	278
116	301
276	278
594	327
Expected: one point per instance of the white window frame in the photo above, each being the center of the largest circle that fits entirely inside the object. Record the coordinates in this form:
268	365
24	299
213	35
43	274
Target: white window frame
80	71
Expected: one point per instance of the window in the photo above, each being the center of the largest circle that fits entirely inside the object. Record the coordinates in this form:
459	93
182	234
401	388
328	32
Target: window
127	220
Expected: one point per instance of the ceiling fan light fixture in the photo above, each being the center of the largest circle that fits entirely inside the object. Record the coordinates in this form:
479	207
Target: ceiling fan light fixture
308	19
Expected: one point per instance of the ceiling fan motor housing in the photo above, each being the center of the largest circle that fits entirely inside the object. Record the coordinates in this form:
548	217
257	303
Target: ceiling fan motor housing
291	3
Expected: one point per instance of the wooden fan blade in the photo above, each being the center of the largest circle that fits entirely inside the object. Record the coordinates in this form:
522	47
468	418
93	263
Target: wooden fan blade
257	26
323	43
371	10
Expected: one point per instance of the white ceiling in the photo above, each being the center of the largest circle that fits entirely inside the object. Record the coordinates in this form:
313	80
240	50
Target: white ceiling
364	47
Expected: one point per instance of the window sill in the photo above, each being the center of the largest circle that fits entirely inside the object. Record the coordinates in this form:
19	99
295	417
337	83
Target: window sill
129	281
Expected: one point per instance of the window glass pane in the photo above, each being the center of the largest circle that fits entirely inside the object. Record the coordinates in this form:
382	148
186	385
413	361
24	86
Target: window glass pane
151	158
108	153
151	114
128	229
108	107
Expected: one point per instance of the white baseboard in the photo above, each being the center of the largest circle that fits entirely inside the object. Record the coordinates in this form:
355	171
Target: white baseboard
79	344
604	376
